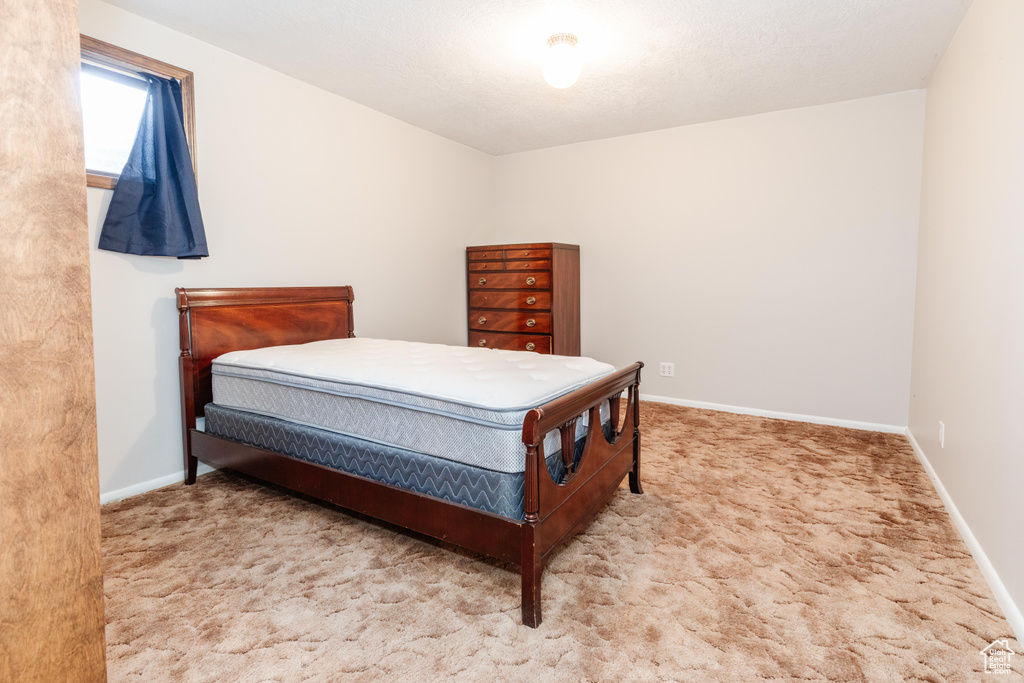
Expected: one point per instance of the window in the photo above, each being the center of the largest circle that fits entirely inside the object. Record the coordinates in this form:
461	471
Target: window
113	97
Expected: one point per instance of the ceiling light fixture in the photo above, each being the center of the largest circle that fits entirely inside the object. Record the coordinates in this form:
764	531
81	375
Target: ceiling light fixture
561	63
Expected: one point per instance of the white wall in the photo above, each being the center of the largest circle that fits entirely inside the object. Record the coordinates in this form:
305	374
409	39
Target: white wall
771	258
298	187
968	358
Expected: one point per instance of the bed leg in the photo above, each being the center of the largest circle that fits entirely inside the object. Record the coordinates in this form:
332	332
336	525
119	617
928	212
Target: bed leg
188	400
530	570
634	475
191	465
191	461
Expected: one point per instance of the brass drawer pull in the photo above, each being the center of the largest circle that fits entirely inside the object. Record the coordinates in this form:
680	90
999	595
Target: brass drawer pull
481	320
529	280
531	322
482	342
531	300
531	346
482	281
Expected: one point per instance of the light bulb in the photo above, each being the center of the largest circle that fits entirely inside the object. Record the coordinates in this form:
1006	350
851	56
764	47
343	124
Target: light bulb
561	63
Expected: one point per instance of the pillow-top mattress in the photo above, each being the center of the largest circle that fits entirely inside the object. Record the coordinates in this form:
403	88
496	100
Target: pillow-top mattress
461	403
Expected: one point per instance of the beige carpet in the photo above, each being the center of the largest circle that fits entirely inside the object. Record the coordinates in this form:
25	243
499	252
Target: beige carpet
761	549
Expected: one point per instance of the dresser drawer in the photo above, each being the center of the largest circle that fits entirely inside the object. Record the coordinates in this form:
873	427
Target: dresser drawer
510	321
495	255
511	342
482	298
540	264
512	254
510	281
481	266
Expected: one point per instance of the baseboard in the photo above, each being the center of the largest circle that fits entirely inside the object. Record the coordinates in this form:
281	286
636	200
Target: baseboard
795	417
152	484
1006	603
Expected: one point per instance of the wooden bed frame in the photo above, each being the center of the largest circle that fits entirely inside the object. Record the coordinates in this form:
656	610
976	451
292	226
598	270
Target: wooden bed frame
215	321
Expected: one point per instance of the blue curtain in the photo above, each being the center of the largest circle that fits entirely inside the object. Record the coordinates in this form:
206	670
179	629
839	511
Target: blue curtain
155	207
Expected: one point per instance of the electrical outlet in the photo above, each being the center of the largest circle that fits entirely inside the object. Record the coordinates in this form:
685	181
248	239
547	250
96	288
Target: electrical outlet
668	369
942	434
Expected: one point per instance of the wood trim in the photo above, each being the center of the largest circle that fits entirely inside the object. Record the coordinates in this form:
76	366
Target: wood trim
260	296
105	54
542	420
101	180
529	245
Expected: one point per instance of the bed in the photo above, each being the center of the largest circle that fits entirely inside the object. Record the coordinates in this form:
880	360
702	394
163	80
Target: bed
571	451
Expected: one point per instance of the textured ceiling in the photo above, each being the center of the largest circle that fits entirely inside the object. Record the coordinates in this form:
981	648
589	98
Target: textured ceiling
470	69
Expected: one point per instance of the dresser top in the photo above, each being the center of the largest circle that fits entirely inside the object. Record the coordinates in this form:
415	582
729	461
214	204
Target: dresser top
530	245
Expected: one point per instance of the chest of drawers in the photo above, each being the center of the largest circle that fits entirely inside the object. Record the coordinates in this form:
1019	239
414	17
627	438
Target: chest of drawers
525	297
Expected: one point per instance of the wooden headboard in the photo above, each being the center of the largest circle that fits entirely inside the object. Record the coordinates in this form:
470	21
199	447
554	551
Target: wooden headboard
214	321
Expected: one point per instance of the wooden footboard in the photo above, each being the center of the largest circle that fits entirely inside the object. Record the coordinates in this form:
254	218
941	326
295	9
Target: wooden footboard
215	321
555	511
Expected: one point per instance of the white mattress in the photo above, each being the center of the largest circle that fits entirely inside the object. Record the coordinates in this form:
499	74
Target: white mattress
461	403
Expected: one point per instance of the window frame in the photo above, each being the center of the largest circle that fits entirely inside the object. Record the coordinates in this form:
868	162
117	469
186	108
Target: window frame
103	54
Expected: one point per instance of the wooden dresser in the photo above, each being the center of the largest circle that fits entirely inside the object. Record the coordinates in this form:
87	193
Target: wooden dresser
525	297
